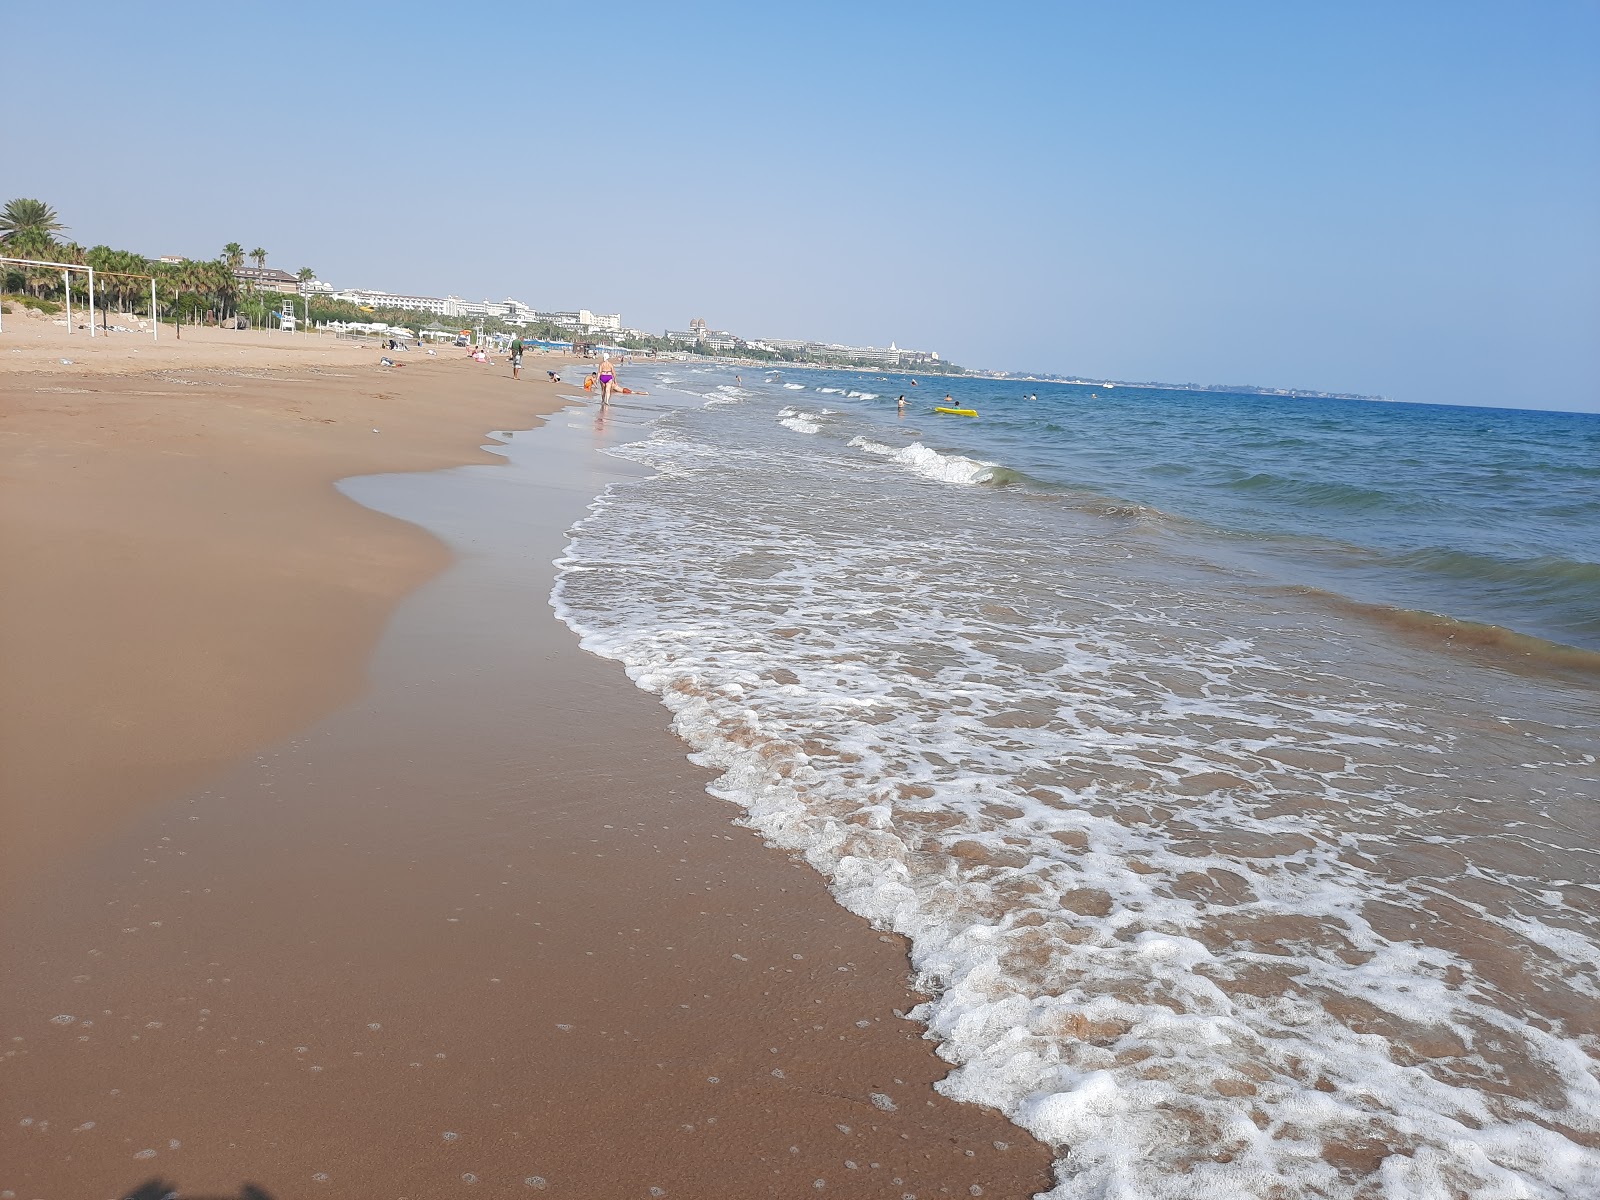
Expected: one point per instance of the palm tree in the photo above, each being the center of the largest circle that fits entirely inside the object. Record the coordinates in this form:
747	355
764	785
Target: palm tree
306	275
22	216
118	272
223	286
36	244
233	255
190	278
260	256
70	252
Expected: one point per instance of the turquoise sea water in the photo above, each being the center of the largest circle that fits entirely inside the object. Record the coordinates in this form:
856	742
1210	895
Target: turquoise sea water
1488	515
1226	869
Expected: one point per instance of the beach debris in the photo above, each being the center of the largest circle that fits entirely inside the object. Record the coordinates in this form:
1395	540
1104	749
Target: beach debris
880	1101
375	431
66	362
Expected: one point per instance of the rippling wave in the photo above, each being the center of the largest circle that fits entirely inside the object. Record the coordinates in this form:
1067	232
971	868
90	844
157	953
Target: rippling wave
1221	887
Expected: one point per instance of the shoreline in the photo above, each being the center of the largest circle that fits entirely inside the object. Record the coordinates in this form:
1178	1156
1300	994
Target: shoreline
388	862
176	612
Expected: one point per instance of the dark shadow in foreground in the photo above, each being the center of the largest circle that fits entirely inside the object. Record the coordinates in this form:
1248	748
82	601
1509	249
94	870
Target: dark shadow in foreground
157	1189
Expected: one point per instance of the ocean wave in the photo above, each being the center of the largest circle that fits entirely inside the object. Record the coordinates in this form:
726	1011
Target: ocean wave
795	387
800	422
1214	902
1140	862
1314	493
1504	647
1536	576
1558	595
931	464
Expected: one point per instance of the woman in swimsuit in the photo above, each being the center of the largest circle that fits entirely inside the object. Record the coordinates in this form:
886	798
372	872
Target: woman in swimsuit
608	377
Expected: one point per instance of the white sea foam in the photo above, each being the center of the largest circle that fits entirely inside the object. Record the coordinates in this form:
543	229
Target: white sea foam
795	387
929	463
800	422
1140	851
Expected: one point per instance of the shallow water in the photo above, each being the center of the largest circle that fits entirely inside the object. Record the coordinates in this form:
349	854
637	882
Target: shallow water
1222	888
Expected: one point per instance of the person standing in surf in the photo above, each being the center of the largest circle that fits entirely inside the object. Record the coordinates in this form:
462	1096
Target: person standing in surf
608	379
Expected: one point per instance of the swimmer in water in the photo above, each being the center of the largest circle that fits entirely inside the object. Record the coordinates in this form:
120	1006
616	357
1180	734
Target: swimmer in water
900	404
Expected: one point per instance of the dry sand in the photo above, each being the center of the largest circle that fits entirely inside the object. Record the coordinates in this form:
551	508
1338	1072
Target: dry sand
183	582
487	897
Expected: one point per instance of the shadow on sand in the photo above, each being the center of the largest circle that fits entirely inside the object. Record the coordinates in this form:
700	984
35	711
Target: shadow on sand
158	1189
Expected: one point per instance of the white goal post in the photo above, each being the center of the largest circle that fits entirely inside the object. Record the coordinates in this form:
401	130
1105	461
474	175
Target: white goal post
66	270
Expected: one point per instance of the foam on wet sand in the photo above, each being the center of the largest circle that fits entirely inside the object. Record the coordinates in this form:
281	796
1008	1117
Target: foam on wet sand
481	929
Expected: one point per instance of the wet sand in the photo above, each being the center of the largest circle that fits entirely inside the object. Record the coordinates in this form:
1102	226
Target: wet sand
480	929
183	582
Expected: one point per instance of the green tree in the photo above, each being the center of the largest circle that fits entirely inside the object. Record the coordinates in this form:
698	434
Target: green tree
260	256
117	276
306	275
25	217
35	243
233	255
224	289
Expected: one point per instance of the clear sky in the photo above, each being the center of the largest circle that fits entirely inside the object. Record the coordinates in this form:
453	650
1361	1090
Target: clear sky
1394	198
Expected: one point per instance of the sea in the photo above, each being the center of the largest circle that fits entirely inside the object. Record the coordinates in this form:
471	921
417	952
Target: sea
1231	762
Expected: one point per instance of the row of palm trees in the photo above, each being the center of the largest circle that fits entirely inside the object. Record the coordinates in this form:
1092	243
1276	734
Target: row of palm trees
234	255
192	288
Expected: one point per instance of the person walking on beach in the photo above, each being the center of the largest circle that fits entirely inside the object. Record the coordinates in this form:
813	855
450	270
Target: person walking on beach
608	379
516	357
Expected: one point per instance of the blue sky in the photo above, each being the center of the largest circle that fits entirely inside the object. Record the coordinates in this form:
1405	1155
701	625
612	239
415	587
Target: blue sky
1395	198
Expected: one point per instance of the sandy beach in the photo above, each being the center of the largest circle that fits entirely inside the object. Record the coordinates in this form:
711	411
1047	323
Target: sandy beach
333	865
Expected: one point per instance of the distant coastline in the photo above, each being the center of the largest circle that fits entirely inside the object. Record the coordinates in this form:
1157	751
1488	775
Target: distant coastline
1231	389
